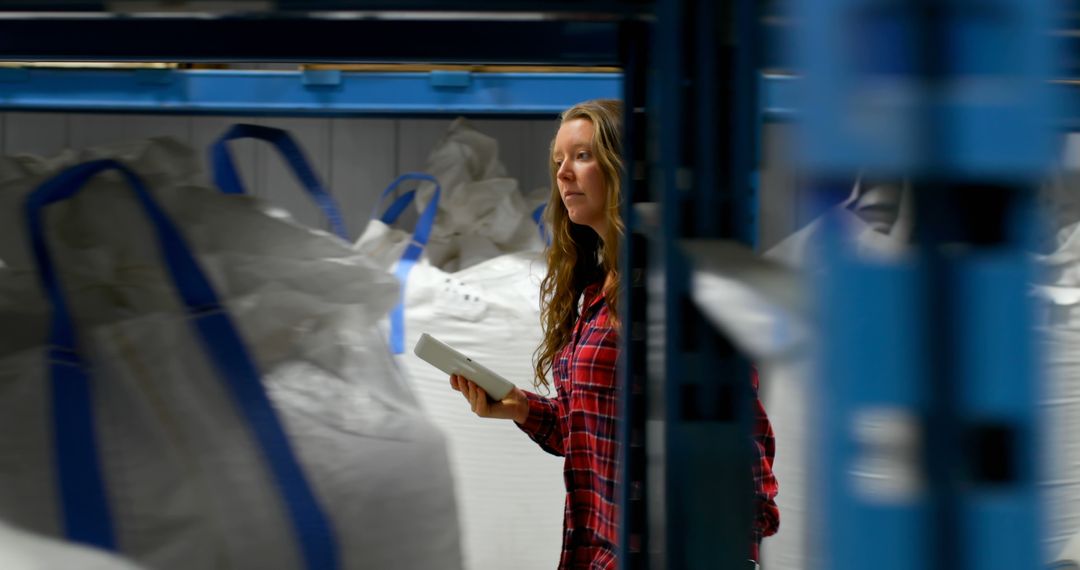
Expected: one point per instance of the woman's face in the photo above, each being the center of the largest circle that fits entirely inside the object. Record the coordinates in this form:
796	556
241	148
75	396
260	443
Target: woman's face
579	178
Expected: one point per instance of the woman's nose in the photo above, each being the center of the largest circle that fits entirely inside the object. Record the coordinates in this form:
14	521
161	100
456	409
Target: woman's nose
564	171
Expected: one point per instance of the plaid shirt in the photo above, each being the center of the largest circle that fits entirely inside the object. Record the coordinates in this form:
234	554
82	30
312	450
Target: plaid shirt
766	513
580	424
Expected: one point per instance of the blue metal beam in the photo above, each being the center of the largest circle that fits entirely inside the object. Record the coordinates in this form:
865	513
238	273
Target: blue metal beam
322	92
362	93
781	99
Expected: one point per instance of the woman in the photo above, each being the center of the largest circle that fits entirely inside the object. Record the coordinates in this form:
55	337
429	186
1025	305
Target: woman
579	300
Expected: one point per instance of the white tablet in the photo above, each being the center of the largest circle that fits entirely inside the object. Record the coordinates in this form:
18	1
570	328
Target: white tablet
450	361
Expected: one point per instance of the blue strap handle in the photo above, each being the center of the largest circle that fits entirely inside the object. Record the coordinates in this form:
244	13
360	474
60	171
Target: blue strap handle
395	209
82	491
228	180
538	217
415	248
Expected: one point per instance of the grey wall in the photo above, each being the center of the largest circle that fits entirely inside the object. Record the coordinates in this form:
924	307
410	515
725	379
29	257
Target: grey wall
781	202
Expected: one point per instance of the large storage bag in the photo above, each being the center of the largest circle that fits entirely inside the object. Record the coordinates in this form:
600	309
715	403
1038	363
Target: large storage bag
270	429
21	550
511	492
482	213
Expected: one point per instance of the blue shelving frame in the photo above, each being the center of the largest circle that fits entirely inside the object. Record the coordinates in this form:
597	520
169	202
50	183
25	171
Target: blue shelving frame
927	431
311	92
782	100
702	104
332	92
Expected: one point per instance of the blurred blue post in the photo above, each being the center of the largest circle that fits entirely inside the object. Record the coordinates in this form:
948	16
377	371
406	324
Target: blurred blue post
700	141
926	390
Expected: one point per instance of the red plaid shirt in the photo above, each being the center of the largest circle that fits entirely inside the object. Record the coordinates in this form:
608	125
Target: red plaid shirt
580	424
766	513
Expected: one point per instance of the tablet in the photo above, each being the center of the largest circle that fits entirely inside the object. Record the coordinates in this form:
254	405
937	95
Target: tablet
450	361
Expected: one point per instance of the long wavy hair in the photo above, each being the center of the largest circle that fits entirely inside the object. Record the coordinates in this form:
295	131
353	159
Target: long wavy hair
577	256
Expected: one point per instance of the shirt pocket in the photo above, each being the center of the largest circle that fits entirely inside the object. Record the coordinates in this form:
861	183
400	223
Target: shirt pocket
595	358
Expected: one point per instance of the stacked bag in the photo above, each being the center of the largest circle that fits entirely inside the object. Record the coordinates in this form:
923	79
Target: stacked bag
192	379
475	286
483	213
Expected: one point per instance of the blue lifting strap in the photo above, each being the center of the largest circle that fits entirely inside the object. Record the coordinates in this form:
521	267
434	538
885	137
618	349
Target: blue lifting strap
228	180
415	248
538	217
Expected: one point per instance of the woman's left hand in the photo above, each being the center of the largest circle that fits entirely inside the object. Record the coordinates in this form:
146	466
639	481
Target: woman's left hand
515	406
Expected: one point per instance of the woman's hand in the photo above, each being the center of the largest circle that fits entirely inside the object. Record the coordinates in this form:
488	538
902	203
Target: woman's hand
515	406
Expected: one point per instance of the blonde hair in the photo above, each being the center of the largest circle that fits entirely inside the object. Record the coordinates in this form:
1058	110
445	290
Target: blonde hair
577	256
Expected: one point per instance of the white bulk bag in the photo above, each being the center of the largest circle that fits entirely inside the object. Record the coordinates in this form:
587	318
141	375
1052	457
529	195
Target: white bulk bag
396	249
470	275
482	212
22	312
512	493
80	227
185	464
21	550
242	242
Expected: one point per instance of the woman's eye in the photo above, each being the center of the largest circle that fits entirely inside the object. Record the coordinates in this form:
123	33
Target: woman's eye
583	155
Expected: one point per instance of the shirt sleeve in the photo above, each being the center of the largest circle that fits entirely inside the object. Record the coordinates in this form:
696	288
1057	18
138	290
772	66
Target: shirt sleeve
766	513
544	423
